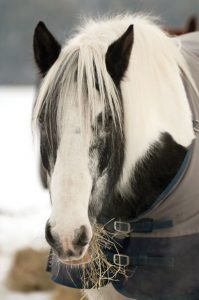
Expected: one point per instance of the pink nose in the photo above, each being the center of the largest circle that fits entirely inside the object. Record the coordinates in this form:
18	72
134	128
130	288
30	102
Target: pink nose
63	250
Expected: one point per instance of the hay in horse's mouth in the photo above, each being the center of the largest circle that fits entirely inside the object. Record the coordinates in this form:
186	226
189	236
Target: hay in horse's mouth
101	271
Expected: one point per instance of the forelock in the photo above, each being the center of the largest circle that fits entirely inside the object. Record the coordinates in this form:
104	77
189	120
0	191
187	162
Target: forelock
72	80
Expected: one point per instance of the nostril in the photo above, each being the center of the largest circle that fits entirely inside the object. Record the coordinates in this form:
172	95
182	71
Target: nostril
69	253
50	239
81	238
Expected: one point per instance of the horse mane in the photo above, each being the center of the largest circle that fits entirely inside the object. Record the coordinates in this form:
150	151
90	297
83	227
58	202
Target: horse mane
81	67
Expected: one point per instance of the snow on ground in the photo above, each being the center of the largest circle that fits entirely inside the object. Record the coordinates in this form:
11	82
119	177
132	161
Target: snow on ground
24	205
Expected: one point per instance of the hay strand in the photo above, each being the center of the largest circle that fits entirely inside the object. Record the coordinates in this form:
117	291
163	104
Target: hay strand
101	271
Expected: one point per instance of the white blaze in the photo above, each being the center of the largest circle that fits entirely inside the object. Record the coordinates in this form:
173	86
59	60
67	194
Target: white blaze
71	182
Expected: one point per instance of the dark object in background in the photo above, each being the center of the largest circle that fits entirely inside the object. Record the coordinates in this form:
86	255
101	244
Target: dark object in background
191	25
27	273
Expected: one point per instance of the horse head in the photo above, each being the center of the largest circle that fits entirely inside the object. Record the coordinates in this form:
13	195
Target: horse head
108	112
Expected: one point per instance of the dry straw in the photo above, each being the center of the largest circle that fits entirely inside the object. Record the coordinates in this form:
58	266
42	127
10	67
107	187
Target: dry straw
100	270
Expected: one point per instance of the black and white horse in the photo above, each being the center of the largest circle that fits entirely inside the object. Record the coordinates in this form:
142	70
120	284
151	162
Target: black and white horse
115	125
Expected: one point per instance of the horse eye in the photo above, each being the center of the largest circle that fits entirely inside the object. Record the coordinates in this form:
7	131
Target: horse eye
41	120
100	119
41	116
110	118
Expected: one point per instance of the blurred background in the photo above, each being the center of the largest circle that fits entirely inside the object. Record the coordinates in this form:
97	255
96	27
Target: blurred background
24	204
19	17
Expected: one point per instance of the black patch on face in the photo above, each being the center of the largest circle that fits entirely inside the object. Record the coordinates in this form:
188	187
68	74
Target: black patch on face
49	139
44	149
150	177
43	175
106	161
46	48
102	141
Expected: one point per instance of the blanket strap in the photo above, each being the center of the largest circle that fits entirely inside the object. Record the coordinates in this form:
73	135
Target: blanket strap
145	225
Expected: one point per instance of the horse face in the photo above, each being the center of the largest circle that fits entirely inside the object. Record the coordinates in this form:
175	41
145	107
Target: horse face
84	170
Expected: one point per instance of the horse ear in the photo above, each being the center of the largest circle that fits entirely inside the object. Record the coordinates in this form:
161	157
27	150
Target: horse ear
192	24
46	48
118	54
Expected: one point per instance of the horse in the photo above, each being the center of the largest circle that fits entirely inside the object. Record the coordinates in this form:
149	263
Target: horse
115	127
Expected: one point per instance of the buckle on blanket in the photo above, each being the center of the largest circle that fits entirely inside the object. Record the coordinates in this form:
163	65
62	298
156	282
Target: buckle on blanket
122	227
121	260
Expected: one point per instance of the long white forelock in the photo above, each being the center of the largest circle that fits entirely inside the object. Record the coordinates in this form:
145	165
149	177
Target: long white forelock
74	77
80	82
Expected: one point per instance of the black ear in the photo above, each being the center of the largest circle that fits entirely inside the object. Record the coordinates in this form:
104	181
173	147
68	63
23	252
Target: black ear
118	54
46	48
192	24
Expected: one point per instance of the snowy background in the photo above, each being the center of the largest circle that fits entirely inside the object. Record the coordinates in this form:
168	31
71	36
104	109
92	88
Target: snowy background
24	204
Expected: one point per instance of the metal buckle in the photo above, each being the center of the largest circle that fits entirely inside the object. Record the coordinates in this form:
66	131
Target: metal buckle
122	227
121	260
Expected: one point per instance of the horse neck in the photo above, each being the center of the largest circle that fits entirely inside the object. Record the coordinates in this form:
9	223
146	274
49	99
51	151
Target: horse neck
158	130
148	179
152	173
